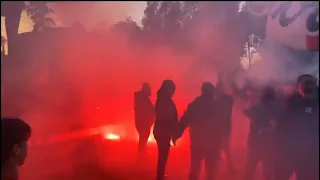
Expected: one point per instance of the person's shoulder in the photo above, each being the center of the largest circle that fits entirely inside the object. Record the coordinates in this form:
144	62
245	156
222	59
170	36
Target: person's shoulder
194	103
137	93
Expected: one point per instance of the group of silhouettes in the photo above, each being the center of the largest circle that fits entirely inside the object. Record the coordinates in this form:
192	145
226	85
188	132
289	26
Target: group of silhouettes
283	132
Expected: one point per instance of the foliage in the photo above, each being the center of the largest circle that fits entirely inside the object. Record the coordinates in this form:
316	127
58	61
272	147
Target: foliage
151	20
129	29
178	23
127	25
40	12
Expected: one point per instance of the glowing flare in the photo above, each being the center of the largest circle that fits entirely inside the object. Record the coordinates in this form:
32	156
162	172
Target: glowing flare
151	139
111	136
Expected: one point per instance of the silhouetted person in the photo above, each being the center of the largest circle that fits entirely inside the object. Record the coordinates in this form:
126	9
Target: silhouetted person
165	123
261	135
144	115
205	133
224	103
14	136
297	133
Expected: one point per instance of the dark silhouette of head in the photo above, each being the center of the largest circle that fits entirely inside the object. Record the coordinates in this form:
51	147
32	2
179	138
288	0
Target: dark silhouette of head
207	90
268	94
167	89
14	136
307	85
146	88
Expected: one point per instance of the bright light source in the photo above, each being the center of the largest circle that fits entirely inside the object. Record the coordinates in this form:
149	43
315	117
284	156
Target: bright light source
111	136
151	139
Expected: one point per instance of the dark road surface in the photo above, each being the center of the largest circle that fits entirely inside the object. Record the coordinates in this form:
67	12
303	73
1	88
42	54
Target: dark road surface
99	159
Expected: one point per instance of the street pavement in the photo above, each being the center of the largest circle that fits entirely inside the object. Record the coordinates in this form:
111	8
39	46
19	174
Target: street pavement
100	159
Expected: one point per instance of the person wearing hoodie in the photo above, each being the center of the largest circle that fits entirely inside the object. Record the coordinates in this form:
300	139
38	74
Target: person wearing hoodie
261	134
165	123
206	133
144	116
15	134
297	133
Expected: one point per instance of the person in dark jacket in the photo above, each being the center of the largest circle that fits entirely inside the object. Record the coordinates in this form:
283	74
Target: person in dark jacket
205	133
224	104
15	134
297	133
165	123
144	116
261	134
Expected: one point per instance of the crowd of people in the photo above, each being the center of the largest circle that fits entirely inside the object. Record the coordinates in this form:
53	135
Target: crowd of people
283	132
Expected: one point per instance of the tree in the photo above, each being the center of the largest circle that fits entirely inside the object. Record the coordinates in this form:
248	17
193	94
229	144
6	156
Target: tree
213	37
129	28
12	10
151	20
165	21
39	13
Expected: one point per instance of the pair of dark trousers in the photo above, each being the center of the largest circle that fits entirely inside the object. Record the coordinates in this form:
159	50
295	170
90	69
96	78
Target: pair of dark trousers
256	154
211	158
144	133
227	151
305	166
163	143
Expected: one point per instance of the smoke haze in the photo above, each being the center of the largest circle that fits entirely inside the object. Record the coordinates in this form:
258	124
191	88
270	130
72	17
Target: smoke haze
94	78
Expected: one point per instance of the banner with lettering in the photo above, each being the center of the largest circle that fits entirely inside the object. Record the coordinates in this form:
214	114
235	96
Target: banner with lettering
292	23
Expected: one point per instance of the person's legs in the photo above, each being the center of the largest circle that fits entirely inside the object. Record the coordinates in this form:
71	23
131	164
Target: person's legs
211	162
196	156
284	167
253	159
226	149
267	165
163	153
307	168
144	134
142	147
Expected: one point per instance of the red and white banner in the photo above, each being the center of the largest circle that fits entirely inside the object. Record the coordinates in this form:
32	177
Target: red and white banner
292	23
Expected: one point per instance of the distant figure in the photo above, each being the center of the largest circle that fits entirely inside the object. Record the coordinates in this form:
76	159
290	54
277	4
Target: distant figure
205	133
261	134
14	136
144	116
224	104
297	133
165	123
